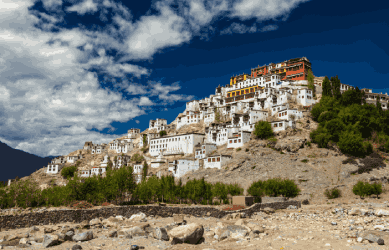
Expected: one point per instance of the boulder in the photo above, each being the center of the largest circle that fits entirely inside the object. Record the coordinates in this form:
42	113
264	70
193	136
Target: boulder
357	211
111	222
230	231
191	233
160	233
76	247
23	241
69	235
178	218
95	221
382	212
134	232
374	238
83	236
138	217
268	210
49	240
113	234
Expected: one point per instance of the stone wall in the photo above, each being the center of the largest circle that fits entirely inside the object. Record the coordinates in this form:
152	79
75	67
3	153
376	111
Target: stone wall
77	216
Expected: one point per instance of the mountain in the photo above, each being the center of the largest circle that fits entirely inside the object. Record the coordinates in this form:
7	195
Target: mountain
15	162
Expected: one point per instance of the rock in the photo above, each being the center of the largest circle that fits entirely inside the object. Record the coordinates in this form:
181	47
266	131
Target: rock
191	233
13	237
374	238
162	204
47	230
95	221
23	241
178	218
69	235
111	222
84	224
291	207
357	211
119	217
135	232
113	234
334	223
137	217
360	239
49	240
134	247
160	233
61	236
76	247
268	210
83	236
382	212
240	222
379	227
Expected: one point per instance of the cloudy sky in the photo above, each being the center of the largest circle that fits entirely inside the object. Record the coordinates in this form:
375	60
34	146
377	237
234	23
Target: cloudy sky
75	71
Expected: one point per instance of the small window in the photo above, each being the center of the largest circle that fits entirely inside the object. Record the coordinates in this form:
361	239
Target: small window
213	159
218	159
209	159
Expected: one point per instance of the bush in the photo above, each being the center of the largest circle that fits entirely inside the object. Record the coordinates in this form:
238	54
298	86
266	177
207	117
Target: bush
238	149
274	187
332	193
366	189
68	171
263	130
369	163
162	133
351	143
137	158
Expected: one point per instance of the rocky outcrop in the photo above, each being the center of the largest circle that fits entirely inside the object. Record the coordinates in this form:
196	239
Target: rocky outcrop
191	233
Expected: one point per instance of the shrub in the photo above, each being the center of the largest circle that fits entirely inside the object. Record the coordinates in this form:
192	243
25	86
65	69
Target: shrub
332	193
274	187
162	133
68	171
304	161
263	130
137	158
369	163
366	189
247	150
351	143
238	149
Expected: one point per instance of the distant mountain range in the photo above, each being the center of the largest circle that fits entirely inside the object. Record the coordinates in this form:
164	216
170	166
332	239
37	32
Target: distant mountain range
15	162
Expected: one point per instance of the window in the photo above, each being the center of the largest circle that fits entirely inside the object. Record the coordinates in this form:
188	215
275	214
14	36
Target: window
213	159
239	140
230	141
218	159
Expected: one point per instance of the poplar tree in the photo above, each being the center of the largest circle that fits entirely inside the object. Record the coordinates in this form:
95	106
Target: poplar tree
326	85
311	84
335	87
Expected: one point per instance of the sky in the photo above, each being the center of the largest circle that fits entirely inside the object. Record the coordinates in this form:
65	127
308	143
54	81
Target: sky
89	70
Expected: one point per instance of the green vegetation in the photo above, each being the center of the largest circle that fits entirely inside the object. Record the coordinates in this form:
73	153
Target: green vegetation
345	122
116	187
247	150
304	161
311	84
273	187
273	139
145	170
68	172
217	115
366	189
263	130
162	133
144	140
332	193
137	158
238	149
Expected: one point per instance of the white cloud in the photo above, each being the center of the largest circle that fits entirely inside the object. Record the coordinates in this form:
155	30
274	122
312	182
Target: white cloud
87	6
51	4
263	9
241	29
145	101
137	121
163	92
155	32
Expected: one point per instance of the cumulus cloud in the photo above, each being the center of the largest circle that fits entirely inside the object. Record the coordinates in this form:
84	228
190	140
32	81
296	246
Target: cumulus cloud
87	6
50	97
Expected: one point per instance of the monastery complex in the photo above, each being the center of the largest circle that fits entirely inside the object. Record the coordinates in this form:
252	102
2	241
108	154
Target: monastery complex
277	93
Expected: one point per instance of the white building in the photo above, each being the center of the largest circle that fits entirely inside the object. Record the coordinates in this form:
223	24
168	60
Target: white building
158	162
73	159
158	124
59	159
98	171
133	133
181	167
121	160
217	161
54	168
121	146
305	97
282	125
84	173
238	139
204	150
286	114
98	149
175	144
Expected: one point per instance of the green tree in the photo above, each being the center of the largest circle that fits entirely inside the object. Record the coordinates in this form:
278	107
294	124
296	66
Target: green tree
68	172
137	158
326	86
378	105
335	86
162	133
144	140
217	115
311	84
257	190
351	143
263	130
145	170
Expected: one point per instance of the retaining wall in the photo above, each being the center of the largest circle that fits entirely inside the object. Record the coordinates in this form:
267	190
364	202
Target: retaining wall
77	216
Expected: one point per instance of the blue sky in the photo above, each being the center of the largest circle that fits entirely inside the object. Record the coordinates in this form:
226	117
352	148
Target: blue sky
76	71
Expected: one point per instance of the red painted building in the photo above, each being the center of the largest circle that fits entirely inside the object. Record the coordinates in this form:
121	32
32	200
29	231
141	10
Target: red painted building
293	69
